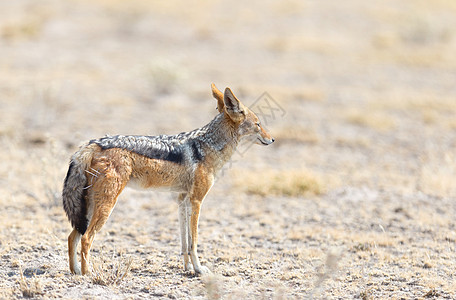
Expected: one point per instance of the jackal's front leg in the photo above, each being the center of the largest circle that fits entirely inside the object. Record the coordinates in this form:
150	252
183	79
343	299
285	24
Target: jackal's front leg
183	204
199	269
203	183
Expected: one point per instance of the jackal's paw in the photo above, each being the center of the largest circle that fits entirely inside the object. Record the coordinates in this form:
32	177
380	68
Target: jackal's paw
76	271
203	271
188	267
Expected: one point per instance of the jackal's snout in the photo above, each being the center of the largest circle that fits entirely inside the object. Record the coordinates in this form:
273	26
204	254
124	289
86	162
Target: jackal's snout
264	138
265	142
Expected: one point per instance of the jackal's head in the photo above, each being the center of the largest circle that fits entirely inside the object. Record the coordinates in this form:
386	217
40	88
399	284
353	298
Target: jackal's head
246	123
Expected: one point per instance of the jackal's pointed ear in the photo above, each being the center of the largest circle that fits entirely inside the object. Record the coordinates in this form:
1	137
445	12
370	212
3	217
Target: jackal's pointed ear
233	107
219	96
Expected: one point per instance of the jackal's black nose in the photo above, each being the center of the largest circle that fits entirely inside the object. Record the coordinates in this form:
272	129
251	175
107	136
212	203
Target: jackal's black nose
273	140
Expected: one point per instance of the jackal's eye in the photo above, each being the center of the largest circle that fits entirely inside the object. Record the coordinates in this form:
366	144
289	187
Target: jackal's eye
258	124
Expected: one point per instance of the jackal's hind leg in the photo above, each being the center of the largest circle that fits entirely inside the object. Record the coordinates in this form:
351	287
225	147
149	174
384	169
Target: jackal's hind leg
100	216
86	244
73	241
104	201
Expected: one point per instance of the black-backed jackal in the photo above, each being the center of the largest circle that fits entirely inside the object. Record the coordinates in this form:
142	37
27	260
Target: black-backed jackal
186	163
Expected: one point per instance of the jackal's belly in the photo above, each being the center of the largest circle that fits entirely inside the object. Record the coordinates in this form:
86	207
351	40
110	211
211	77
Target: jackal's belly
138	184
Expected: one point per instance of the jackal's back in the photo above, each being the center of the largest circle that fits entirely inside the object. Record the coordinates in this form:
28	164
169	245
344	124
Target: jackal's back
183	148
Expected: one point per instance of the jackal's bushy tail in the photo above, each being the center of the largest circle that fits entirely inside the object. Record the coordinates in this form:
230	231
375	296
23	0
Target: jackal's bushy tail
74	202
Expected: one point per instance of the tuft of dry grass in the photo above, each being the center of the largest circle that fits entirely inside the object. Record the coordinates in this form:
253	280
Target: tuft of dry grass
111	274
292	183
29	289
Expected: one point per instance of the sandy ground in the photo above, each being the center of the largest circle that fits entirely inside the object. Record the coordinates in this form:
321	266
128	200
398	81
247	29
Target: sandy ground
354	200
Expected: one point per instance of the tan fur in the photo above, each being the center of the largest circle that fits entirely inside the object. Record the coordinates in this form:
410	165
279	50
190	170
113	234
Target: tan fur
218	95
107	172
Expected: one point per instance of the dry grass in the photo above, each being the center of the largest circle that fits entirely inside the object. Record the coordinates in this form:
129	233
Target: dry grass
325	272
291	183
416	38
438	179
411	101
296	134
300	43
164	76
25	27
109	273
355	143
389	49
285	96
29	288
383	114
51	179
373	119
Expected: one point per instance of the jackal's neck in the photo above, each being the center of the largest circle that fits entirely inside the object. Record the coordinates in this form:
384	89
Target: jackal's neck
220	139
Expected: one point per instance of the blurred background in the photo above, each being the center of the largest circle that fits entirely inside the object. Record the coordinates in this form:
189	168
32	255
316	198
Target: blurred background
368	87
366	91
